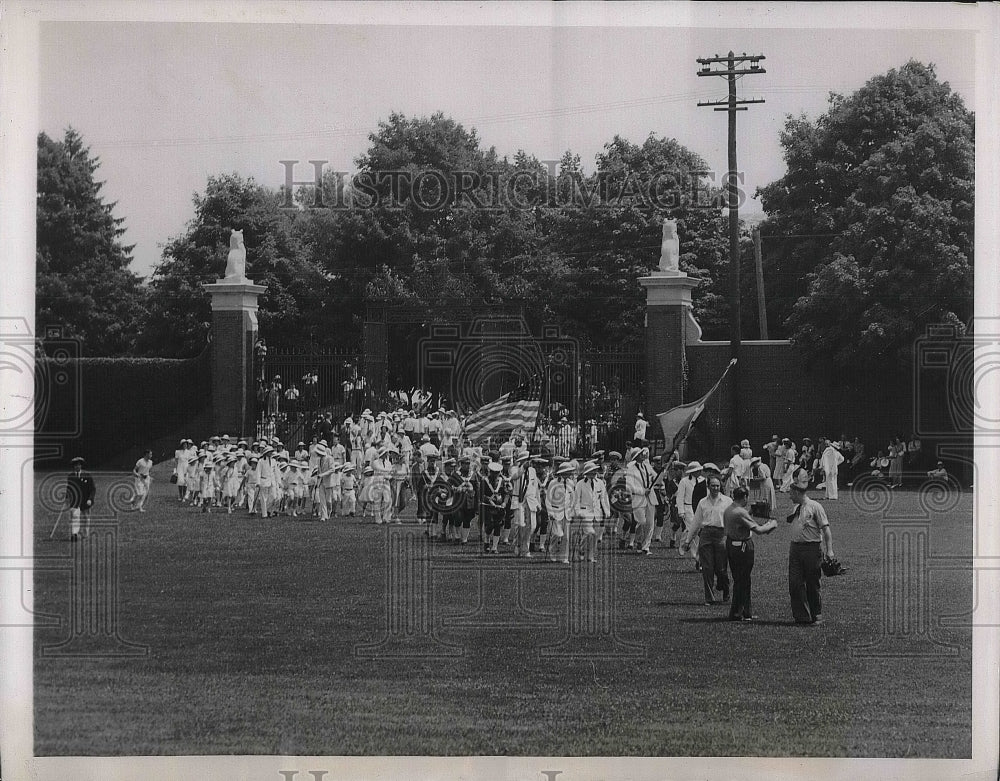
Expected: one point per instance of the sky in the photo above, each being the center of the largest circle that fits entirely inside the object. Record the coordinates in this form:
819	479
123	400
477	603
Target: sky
165	105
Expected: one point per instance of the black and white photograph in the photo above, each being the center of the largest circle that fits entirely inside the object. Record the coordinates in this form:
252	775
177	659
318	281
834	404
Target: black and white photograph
520	390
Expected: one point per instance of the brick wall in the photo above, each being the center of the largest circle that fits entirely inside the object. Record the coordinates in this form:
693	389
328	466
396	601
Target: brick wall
664	347
779	394
232	343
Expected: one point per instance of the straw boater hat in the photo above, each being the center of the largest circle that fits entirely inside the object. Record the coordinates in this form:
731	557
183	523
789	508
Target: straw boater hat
693	467
800	480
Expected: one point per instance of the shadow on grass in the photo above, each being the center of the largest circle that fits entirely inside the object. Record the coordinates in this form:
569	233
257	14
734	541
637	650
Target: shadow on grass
756	622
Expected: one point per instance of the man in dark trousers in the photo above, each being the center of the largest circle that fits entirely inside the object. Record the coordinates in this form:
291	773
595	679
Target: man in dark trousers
738	525
810	532
80	492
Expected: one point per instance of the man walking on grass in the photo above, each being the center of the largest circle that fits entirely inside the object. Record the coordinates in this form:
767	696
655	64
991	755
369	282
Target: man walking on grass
810	533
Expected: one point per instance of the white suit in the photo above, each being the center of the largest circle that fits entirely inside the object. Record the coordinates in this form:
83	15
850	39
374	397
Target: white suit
830	461
639	478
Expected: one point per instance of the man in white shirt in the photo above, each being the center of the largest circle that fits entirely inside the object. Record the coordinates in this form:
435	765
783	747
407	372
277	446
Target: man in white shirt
641	425
338	451
427	448
708	522
830	462
142	479
640	477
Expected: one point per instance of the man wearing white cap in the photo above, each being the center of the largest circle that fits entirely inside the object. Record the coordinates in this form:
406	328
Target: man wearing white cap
830	462
381	487
324	481
142	479
709	523
266	479
80	493
641	424
348	494
527	495
559	506
641	476
589	507
495	502
684	499
810	533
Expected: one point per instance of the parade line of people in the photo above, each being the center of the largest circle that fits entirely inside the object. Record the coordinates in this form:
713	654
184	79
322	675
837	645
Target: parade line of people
522	502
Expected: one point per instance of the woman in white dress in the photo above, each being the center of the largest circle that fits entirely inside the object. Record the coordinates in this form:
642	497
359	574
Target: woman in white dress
781	460
761	484
791	456
182	460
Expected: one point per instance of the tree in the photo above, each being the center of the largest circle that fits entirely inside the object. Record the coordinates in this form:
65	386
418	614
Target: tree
611	232
878	206
180	314
82	277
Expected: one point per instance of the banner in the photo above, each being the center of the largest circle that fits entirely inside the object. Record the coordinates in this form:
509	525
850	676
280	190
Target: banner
676	423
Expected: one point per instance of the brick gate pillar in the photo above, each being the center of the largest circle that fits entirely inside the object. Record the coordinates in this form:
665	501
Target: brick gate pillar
234	332
670	326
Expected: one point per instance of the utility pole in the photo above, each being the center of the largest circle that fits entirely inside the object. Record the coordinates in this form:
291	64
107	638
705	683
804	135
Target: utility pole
758	263
733	67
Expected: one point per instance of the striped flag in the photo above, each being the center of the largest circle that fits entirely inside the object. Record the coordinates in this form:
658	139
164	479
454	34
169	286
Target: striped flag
517	409
676	423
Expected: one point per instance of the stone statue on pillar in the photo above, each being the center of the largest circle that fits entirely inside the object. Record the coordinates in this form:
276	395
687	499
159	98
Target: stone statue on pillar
233	335
236	263
670	247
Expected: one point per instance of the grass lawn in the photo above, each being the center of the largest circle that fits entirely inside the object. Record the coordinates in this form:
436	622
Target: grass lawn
253	628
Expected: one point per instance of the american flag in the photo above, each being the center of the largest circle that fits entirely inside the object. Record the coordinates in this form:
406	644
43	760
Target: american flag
517	409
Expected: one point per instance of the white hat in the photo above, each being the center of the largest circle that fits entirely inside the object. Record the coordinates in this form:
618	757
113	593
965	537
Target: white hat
590	467
640	415
495	467
565	469
693	467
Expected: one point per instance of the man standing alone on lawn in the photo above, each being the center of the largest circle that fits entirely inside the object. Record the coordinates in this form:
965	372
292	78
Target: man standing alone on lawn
810	532
142	479
80	492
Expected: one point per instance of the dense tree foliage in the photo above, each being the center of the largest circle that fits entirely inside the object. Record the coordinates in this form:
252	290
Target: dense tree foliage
82	277
874	220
